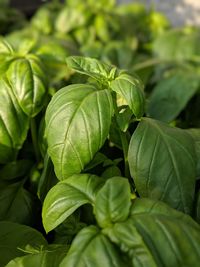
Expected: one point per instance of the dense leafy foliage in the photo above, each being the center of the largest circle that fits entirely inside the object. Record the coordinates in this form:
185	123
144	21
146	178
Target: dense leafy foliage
99	138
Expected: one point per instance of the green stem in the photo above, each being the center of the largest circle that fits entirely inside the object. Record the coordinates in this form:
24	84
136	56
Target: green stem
34	139
125	146
124	140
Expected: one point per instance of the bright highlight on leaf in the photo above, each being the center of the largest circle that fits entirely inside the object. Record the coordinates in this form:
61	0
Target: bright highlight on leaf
78	120
67	196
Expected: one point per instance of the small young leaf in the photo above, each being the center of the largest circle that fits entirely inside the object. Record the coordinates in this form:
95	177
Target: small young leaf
91	67
78	120
67	196
113	202
162	163
131	89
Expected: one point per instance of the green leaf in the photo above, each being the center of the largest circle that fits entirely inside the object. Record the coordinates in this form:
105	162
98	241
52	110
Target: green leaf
171	95
43	20
5	47
177	44
14	236
13	124
131	89
91	67
91	248
85	114
27	78
126	236
153	232
113	202
162	163
47	258
150	206
67	196
16	203
47	179
124	118
75	18
111	171
15	169
195	133
172	241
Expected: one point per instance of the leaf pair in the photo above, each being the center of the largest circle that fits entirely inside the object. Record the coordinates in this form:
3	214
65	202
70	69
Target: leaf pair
140	230
22	92
78	117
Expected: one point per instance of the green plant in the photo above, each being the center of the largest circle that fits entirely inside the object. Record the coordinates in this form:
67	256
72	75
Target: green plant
105	170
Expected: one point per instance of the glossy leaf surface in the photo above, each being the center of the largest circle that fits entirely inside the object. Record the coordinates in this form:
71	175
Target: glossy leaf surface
14	236
91	67
27	78
67	196
91	248
13	124
78	120
113	202
131	90
153	232
162	162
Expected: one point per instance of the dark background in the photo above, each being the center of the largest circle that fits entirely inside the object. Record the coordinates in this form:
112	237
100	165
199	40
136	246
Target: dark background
27	6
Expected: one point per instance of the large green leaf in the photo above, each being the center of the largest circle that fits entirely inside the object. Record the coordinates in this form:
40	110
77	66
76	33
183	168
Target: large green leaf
162	163
171	95
16	203
126	236
150	206
14	236
131	90
177	44
78	120
157	235
47	258
13	123
113	202
195	133
91	248
27	78
91	67
67	196
172	242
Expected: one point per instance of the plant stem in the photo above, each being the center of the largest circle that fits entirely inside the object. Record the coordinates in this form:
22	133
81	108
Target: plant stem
34	139
125	146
